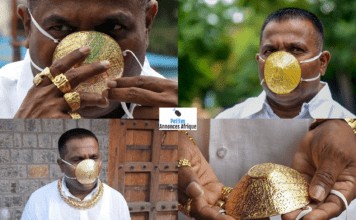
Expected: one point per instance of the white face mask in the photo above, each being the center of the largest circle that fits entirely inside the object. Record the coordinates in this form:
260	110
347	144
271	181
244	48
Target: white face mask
129	113
282	72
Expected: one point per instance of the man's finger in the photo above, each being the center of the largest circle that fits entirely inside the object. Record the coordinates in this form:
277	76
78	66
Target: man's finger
67	62
141	96
145	82
88	100
332	207
325	177
78	75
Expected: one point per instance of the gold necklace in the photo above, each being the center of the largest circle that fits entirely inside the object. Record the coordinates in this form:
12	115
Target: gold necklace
81	204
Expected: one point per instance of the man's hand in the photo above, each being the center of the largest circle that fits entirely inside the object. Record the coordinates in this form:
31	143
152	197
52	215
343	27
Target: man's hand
46	100
198	182
327	157
144	90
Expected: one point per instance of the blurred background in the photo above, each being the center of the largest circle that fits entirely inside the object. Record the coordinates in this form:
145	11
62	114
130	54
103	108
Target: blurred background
218	41
162	52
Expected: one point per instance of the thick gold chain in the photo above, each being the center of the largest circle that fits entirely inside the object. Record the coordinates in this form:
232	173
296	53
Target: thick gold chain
81	204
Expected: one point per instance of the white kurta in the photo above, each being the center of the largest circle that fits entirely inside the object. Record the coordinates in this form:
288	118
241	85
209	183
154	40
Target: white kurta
237	145
321	106
16	81
47	204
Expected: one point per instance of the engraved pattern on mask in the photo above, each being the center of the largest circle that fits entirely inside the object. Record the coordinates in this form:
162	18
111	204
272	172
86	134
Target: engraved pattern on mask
103	47
267	190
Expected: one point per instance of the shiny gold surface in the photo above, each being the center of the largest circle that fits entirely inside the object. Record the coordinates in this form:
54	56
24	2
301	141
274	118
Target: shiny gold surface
103	47
74	115
282	72
81	204
267	190
87	171
62	83
38	78
73	100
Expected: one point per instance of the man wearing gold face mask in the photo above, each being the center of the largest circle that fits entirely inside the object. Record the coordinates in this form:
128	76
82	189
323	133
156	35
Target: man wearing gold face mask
290	62
79	194
46	24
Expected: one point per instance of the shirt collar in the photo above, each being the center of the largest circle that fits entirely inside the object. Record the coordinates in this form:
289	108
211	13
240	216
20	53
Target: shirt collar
68	194
317	106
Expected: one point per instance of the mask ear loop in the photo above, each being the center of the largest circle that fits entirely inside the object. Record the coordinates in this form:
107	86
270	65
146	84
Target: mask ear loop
311	59
308	209
68	177
311	79
129	113
263	80
35	65
56	41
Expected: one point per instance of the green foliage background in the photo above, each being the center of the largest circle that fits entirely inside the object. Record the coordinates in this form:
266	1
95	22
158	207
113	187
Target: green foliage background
217	56
164	33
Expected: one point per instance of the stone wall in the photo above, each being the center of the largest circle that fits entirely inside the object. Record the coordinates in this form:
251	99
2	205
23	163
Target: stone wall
28	154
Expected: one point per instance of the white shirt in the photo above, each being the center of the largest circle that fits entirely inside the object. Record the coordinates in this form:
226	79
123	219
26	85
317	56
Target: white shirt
16	80
47	204
321	106
237	145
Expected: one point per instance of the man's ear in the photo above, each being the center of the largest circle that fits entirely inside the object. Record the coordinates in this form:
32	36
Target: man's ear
151	12
325	59
22	12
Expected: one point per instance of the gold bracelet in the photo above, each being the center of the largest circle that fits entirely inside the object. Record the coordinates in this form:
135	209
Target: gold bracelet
352	123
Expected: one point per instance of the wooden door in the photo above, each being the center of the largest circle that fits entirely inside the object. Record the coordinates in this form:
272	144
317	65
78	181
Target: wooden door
143	167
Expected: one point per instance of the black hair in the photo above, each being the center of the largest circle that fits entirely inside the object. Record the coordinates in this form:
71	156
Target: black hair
76	133
296	13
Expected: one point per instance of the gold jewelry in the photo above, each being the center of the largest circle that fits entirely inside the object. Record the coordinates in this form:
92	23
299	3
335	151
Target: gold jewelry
38	78
73	100
74	115
220	204
81	204
62	83
267	190
185	209
184	163
190	138
352	123
225	192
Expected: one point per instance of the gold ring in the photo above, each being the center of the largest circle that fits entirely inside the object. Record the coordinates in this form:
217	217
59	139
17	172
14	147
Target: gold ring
38	78
73	100
220	204
62	83
184	163
185	209
74	115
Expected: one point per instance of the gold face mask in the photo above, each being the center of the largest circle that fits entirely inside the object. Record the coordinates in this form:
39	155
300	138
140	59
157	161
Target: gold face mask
267	190
282	72
86	172
103	47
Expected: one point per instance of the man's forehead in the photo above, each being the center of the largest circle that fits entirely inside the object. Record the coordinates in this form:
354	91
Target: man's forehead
297	27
